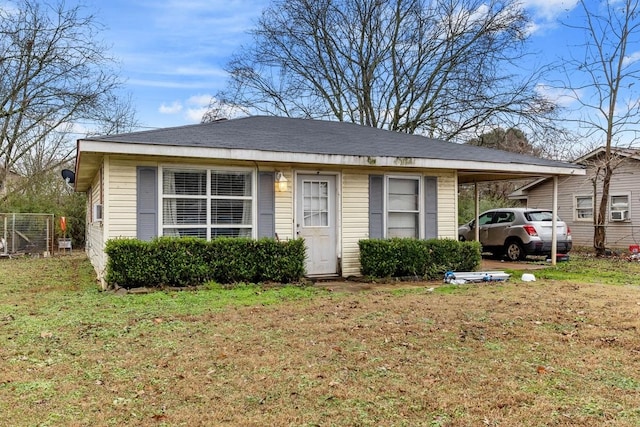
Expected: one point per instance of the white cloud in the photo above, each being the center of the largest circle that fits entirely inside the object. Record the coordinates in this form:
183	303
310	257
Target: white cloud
199	71
192	109
200	100
630	59
562	97
167	84
202	103
547	14
194	115
173	108
549	10
199	104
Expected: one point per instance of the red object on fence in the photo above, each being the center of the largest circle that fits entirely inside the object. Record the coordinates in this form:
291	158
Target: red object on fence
634	249
63	223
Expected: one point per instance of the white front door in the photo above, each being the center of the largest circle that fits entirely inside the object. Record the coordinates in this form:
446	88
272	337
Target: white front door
316	222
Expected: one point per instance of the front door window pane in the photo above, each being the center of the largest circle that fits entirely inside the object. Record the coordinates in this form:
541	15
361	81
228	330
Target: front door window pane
315	200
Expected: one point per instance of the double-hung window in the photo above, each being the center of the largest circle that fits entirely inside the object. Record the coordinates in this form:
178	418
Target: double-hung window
403	207
207	203
584	208
619	202
619	207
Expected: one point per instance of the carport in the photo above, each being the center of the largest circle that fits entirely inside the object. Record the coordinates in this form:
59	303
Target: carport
511	167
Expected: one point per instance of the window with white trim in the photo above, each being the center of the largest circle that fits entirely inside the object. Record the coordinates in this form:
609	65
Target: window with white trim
619	202
403	207
619	207
207	203
584	208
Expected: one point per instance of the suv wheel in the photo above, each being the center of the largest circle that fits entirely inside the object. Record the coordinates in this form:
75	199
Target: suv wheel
514	251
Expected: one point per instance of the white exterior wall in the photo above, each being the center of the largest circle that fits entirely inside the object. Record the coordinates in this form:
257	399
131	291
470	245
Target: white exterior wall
625	181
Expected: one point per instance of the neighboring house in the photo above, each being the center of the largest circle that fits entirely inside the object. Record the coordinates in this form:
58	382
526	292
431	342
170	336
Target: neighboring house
331	183
578	202
10	178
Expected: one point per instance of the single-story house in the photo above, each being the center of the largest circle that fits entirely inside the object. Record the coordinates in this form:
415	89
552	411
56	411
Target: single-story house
332	183
578	198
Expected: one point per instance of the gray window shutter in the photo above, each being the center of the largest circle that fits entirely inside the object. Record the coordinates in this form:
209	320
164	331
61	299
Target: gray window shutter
376	206
266	205
147	206
430	207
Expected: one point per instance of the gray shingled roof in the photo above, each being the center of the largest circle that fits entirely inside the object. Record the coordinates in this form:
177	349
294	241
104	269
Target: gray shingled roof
281	134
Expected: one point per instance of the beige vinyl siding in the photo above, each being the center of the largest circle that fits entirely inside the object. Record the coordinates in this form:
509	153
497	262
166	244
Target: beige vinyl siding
355	212
284	208
355	219
624	182
121	203
94	245
118	195
122	195
447	204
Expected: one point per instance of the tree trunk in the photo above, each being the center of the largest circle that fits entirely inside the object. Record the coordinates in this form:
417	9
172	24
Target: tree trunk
600	232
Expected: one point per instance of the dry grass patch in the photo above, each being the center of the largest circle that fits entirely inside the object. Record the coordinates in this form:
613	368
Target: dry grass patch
547	353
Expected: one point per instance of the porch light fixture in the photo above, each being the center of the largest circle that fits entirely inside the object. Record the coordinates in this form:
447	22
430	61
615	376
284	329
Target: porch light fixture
281	182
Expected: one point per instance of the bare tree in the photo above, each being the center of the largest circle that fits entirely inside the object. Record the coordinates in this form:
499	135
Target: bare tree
53	72
439	68
512	139
602	81
219	110
114	115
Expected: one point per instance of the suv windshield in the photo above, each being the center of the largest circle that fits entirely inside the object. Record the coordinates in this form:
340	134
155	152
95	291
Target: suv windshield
539	216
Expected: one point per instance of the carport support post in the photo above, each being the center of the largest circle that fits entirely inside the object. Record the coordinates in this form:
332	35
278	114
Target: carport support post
476	194
554	231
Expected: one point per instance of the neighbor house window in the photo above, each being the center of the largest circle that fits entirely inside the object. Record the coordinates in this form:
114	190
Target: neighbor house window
619	207
584	208
403	207
619	203
207	203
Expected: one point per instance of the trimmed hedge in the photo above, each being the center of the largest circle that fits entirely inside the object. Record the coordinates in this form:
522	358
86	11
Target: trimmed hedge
429	259
169	261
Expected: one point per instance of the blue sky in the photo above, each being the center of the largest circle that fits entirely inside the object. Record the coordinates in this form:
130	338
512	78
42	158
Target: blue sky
172	52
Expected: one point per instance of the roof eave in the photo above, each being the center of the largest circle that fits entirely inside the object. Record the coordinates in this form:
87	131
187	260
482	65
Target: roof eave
105	148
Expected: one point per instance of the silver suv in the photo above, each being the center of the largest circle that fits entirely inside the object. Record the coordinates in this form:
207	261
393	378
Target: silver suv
517	232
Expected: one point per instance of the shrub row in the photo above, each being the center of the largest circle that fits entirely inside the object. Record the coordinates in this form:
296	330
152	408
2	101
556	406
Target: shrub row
428	259
168	261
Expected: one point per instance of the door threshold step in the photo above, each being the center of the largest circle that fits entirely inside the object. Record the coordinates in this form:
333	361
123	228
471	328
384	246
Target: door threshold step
324	278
